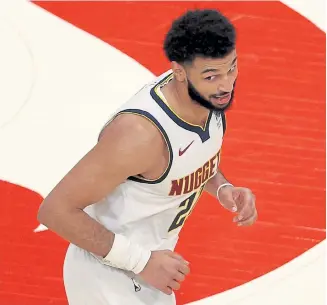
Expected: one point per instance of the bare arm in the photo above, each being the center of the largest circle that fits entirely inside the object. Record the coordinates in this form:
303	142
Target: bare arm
234	199
213	184
122	151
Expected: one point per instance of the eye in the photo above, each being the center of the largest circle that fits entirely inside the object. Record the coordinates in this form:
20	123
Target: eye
210	78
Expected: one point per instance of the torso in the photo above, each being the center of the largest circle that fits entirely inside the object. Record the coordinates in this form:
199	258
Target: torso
151	208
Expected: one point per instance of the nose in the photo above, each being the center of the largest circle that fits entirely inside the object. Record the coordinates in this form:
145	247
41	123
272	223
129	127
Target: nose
226	83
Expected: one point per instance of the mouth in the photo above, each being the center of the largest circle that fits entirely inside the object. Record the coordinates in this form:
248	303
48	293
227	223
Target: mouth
222	100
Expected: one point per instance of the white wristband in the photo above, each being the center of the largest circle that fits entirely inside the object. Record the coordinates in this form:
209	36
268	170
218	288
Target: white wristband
221	186
127	256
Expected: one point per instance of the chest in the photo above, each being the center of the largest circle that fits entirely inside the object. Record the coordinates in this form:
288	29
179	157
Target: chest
191	161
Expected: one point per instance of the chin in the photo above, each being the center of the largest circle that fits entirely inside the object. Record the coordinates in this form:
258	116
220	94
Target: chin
223	107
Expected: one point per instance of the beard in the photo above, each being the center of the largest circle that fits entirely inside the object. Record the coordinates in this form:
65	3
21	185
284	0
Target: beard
198	98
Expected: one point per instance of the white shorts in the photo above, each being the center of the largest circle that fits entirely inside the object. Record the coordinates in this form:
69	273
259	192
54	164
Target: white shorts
88	282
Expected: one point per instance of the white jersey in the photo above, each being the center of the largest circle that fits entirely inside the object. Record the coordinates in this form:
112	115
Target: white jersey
152	212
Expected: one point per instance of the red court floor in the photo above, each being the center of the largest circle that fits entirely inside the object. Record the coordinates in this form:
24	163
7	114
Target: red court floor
275	145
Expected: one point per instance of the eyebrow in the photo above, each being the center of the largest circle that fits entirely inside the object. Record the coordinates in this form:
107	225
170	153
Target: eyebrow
216	70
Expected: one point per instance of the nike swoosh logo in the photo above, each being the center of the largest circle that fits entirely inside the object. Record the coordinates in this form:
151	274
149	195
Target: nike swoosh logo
181	152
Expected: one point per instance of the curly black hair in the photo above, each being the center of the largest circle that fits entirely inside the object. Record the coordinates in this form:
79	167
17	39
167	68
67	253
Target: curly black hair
204	33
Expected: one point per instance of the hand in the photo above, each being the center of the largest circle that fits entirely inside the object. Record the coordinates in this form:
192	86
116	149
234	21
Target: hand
240	200
165	270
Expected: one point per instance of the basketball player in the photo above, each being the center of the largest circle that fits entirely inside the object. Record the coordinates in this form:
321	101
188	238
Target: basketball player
124	203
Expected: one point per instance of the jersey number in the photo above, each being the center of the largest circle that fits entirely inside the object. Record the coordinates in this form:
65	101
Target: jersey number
186	207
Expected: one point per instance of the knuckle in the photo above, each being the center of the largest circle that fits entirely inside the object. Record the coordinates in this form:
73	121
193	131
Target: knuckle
183	269
179	276
188	269
175	285
178	266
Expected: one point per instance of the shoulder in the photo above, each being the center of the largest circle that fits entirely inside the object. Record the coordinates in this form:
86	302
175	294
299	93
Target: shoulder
134	135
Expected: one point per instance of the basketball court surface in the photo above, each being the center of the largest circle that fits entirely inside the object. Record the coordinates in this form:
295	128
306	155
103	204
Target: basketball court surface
68	67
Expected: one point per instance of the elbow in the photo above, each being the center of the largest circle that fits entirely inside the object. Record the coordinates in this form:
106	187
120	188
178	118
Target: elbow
52	214
40	214
43	214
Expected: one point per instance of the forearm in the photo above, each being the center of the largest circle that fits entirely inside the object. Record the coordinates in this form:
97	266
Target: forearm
78	228
213	184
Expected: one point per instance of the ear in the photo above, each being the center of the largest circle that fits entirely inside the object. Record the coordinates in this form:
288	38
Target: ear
179	71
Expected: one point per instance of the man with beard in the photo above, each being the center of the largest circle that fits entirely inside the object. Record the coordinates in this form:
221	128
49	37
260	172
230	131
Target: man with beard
123	205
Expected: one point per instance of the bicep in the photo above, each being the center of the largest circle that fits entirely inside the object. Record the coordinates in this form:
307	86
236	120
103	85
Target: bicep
122	151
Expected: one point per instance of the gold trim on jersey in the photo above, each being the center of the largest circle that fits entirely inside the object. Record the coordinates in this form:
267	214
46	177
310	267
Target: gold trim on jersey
158	92
164	137
197	178
185	209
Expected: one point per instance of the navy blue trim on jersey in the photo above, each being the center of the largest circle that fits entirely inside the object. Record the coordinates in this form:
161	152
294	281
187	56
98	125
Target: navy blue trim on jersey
203	133
151	118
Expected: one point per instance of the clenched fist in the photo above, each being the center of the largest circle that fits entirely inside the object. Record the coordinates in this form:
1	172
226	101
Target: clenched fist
165	271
